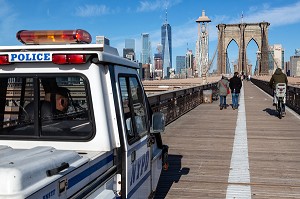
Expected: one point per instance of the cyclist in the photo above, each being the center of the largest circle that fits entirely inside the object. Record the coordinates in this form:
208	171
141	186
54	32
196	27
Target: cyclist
277	77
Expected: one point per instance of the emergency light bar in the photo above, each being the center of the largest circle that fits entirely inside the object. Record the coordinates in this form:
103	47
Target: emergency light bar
54	36
43	57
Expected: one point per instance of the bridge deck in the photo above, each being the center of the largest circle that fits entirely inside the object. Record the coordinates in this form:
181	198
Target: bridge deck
245	153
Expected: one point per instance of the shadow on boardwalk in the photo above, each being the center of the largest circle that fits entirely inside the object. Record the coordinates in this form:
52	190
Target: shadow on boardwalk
271	112
172	175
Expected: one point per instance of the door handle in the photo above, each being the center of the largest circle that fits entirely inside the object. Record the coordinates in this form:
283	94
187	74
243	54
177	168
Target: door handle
133	156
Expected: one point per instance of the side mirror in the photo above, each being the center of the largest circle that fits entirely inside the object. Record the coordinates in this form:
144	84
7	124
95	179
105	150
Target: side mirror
158	123
129	127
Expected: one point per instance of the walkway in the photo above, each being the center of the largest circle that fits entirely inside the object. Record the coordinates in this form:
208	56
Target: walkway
245	153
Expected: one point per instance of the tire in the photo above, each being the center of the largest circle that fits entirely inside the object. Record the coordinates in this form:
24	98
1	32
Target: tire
280	109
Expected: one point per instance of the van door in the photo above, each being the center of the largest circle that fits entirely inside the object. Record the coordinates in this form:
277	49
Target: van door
136	136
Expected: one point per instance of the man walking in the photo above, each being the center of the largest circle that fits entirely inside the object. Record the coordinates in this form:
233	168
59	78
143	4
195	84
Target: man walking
235	85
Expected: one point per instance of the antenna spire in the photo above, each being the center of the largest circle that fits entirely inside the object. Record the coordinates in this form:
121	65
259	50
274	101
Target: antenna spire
166	14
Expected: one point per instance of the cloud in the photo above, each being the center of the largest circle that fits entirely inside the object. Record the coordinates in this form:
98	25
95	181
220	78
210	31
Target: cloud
93	10
144	6
148	6
278	16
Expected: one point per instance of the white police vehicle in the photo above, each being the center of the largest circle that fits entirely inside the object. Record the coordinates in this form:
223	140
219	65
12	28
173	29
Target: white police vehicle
74	121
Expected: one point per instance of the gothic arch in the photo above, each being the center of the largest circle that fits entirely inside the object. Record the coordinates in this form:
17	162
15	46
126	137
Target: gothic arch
243	33
227	46
232	40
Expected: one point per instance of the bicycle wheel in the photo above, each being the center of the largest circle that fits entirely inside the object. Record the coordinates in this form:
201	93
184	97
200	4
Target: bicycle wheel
280	109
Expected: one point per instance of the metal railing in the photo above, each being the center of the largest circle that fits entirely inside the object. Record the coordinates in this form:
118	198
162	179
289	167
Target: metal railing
176	103
292	94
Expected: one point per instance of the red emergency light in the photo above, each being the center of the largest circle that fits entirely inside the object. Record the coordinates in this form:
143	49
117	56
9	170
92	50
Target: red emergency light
4	60
68	59
54	36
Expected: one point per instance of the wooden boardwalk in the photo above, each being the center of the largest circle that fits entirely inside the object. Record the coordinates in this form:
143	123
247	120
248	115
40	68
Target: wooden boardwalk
245	153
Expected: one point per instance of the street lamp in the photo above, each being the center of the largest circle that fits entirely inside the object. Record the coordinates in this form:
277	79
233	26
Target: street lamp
202	46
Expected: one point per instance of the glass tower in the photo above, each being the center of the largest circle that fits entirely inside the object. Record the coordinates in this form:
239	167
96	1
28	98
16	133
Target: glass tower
146	49
129	50
166	40
130	44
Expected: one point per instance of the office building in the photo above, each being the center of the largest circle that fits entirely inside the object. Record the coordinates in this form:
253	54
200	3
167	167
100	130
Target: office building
180	64
129	50
189	63
166	41
158	63
130	44
295	66
146	49
276	58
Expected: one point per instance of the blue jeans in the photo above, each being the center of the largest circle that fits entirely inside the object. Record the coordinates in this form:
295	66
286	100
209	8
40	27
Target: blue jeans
235	100
222	101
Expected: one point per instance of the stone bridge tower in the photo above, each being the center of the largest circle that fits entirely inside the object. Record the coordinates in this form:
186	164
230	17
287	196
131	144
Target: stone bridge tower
242	34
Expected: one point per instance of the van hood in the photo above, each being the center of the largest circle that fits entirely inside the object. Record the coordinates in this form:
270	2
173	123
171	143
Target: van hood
23	171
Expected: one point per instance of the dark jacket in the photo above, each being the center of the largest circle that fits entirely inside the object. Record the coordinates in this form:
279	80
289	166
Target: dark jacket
235	84
278	77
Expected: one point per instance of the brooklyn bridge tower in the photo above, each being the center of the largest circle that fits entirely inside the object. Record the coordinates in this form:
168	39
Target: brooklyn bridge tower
242	34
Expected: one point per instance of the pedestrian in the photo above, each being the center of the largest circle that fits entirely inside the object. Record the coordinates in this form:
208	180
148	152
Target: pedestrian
235	84
223	87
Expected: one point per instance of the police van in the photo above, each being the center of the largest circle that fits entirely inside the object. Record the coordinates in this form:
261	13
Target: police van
75	121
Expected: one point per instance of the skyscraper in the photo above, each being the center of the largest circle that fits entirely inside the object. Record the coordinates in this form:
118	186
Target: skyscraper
276	57
130	44
166	40
189	63
129	50
146	49
158	62
180	64
295	66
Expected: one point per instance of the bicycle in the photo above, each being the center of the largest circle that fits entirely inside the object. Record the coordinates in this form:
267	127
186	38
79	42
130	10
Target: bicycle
280	99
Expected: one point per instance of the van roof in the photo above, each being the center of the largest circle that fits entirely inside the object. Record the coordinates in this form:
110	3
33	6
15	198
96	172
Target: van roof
105	52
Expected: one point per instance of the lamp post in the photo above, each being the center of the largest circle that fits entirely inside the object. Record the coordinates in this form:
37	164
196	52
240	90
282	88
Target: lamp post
202	46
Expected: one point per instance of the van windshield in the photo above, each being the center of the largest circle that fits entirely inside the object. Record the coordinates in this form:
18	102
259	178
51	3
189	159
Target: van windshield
45	107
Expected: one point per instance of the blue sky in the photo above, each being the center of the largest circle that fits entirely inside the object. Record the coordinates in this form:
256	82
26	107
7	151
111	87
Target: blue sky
122	19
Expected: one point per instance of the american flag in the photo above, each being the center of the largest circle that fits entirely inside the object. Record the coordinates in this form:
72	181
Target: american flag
242	17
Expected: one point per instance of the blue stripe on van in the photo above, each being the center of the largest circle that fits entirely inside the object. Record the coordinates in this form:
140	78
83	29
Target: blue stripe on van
79	177
137	186
138	146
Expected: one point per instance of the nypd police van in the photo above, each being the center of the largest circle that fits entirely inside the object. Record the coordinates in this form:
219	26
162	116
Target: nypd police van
75	121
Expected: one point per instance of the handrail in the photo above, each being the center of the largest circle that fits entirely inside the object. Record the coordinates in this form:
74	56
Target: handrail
176	103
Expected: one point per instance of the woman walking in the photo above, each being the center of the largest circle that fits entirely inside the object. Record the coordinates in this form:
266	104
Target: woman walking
223	87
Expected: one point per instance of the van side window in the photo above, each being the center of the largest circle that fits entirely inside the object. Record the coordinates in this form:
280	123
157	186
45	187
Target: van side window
45	107
134	108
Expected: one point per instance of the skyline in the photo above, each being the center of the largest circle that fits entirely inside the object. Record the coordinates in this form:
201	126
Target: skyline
128	19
